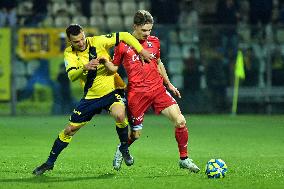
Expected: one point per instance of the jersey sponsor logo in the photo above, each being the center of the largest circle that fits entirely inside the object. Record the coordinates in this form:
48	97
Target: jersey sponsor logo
135	57
128	49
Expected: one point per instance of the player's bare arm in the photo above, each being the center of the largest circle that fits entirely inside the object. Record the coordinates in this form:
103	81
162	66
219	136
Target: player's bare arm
109	65
92	65
163	72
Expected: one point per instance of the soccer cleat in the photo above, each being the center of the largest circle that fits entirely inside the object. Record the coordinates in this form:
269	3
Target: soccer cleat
128	159
41	169
117	159
188	164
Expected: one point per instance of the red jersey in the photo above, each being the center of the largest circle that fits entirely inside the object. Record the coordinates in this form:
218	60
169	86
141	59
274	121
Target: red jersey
142	77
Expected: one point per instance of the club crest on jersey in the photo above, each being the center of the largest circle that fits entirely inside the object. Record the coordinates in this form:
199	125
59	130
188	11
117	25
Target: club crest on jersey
149	44
135	57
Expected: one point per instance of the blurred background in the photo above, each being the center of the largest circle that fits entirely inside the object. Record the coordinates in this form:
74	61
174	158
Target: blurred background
199	44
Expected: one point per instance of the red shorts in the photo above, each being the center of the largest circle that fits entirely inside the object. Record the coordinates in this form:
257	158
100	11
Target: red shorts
139	103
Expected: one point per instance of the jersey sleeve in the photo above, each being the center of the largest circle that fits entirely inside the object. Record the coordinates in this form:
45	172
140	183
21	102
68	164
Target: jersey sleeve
130	40
118	54
72	65
113	39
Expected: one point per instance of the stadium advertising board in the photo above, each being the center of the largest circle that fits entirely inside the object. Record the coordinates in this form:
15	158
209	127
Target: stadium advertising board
44	43
5	64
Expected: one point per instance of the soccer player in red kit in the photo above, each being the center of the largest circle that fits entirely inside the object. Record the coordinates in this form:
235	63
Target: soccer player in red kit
146	88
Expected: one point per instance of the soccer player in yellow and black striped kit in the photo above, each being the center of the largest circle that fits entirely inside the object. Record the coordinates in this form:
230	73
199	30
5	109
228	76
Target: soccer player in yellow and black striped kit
101	88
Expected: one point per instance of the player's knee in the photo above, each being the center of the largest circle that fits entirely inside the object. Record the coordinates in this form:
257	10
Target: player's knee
120	117
180	121
71	130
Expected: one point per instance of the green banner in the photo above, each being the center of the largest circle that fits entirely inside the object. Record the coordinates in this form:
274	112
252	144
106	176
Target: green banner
5	61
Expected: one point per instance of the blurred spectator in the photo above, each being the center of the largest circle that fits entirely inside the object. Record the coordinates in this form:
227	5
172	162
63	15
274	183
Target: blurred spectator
277	61
244	11
64	93
191	72
189	18
251	63
281	13
8	16
39	12
165	11
216	82
260	16
228	16
188	14
262	52
86	8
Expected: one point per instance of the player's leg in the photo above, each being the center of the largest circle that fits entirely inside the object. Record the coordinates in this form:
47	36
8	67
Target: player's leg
81	115
138	103
181	134
60	143
135	123
121	122
118	112
164	103
134	134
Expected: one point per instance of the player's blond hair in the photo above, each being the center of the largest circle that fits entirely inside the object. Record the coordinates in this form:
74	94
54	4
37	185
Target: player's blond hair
143	17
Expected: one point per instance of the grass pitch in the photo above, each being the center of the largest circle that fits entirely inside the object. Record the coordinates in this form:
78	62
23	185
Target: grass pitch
252	147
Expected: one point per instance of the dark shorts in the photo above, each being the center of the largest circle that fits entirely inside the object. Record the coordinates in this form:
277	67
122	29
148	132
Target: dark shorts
87	108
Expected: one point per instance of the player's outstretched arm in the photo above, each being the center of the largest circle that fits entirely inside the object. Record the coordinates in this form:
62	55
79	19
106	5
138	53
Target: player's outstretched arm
163	72
132	41
109	65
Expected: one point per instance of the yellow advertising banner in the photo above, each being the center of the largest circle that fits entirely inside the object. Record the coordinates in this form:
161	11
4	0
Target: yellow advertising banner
5	62
44	42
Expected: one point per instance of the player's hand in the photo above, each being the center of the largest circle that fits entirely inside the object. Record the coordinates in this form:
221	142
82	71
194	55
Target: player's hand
103	60
146	55
174	90
92	65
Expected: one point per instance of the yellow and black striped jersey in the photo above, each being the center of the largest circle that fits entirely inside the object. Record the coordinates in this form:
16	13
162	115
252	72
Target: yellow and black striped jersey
96	83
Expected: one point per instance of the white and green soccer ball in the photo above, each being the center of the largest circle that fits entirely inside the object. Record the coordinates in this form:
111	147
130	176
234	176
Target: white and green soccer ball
216	168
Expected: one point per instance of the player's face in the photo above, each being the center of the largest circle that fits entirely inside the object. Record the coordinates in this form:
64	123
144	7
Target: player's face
141	32
78	42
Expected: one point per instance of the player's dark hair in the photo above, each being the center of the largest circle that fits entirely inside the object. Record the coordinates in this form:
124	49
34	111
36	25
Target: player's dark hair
73	29
143	17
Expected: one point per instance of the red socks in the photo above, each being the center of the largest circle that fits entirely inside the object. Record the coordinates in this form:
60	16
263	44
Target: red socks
181	135
130	141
